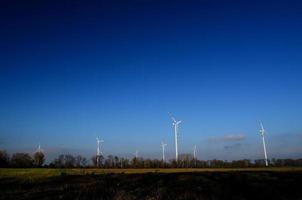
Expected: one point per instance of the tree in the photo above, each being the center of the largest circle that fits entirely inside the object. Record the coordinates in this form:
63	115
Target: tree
259	163
135	163
21	160
70	161
4	158
64	161
174	163
39	159
60	161
84	162
109	162
125	163
94	160
80	161
116	162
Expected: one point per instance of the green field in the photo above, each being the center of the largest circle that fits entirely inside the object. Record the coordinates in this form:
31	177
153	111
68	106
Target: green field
49	172
206	183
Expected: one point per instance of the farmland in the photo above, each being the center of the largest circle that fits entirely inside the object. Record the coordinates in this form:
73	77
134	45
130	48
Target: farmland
207	183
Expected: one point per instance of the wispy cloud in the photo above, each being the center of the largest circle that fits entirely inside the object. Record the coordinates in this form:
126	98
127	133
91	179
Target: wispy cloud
228	137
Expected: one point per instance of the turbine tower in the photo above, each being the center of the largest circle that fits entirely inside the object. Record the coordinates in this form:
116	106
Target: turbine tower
262	132
98	150
175	124
194	152
136	154
163	145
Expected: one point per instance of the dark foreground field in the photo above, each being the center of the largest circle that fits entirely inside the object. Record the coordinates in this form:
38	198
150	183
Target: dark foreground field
269	185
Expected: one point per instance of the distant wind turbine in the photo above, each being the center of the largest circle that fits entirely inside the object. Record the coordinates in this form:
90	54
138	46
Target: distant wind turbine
98	150
163	145
194	152
175	124
39	150
262	133
136	154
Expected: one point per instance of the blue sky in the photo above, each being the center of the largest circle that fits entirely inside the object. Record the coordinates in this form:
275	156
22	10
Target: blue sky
73	70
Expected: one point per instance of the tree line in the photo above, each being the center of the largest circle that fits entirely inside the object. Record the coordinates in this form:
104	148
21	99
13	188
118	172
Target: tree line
186	161
21	159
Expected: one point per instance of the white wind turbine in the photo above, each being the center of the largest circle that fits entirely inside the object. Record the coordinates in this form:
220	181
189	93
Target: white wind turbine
98	150
136	154
194	152
39	150
163	145
262	132
175	124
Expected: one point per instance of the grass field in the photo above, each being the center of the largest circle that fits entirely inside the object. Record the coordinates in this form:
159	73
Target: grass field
33	173
246	183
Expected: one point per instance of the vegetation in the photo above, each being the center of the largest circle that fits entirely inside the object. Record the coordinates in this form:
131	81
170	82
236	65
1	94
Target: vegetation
21	160
70	177
38	159
40	173
185	161
4	159
116	184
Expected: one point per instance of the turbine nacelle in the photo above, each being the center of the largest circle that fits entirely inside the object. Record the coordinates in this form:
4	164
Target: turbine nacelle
262	131
176	123
163	145
99	140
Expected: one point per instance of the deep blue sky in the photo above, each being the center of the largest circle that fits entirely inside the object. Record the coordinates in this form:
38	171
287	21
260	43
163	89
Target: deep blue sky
74	70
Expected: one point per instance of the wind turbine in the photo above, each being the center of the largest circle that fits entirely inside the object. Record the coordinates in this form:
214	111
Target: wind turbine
163	145
194	152
136	154
262	132
175	124
39	150
98	150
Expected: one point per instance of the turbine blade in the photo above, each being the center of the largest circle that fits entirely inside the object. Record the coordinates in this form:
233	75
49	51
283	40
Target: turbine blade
261	125
173	119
